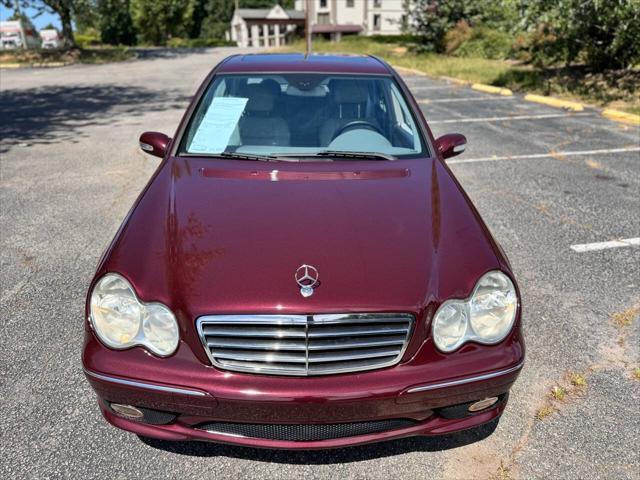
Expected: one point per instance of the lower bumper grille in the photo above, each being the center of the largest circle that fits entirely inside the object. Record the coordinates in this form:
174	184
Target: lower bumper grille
306	432
305	344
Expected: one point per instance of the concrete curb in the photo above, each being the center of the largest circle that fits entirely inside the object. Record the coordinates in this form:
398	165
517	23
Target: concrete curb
554	102
623	117
35	65
491	89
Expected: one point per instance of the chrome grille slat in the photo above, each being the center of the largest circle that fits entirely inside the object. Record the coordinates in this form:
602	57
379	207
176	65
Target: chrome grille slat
305	345
334	331
316	357
257	344
256	356
337	344
255	332
352	365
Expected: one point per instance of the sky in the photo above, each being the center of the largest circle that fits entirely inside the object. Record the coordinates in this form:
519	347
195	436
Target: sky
39	22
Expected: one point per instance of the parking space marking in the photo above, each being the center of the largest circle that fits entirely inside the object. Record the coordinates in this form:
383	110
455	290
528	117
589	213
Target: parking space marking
590	247
508	118
546	155
472	99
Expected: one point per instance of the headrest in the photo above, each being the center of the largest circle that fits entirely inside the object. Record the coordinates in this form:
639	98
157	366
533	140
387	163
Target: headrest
348	91
272	86
260	98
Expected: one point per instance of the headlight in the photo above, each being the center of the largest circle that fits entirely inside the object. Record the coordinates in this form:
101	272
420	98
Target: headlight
121	320
485	317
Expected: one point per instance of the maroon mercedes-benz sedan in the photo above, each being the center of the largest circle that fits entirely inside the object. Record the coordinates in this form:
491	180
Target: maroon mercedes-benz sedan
302	271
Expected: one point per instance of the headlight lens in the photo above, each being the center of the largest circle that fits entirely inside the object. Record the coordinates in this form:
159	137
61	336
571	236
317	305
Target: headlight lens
450	325
121	320
485	317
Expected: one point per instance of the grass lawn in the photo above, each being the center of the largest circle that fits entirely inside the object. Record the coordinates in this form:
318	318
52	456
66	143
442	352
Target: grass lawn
615	89
55	57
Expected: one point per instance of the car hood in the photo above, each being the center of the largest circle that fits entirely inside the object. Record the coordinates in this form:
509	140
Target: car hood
222	236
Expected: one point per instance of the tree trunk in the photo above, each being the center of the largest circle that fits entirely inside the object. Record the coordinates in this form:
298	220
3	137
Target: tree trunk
64	11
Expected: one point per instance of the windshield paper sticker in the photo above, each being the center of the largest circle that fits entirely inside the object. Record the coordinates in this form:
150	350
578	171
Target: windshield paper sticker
218	125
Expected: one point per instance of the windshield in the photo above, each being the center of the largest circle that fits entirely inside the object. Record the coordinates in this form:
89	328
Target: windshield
302	114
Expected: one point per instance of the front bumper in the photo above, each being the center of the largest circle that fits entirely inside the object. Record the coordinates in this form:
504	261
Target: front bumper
198	394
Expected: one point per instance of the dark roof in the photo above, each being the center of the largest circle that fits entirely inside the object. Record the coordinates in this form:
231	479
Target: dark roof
331	28
298	62
261	13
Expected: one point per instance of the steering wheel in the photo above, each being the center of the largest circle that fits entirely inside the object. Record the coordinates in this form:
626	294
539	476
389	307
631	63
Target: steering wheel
357	124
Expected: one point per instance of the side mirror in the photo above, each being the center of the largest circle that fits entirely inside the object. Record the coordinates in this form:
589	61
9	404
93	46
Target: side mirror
451	144
154	143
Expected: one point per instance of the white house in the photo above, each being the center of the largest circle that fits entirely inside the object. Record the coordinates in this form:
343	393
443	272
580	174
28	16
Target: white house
334	18
265	27
329	18
18	34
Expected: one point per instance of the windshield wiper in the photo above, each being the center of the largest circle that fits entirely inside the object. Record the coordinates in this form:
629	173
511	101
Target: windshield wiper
248	156
348	154
336	153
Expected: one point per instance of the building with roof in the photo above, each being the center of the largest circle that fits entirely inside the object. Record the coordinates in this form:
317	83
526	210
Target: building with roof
333	18
330	19
254	27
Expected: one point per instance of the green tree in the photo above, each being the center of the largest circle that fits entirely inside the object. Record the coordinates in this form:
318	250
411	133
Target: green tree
433	18
218	14
158	20
115	23
601	33
85	17
63	8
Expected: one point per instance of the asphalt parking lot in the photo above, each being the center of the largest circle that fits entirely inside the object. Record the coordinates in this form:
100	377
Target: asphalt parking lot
546	181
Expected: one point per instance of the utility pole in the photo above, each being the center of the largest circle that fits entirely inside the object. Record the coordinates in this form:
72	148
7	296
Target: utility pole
23	37
307	25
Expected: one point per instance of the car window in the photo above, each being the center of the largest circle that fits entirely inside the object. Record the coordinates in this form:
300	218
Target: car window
303	114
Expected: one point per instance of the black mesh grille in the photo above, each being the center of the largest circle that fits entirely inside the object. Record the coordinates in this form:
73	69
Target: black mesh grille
307	432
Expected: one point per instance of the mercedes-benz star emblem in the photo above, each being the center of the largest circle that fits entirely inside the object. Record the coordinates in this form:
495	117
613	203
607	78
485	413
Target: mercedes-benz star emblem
307	278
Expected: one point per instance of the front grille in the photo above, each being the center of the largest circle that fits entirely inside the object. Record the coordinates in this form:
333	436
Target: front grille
305	345
306	433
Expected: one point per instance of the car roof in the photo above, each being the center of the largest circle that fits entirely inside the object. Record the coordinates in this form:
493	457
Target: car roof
298	62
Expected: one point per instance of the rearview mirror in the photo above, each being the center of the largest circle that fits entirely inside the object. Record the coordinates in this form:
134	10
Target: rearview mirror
451	144
154	143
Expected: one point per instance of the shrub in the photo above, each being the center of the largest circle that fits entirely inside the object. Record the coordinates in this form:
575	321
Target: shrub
603	35
458	35
486	43
177	42
432	19
87	40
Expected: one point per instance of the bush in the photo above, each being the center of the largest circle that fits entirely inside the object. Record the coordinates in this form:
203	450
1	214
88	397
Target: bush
486	43
603	35
87	40
455	37
432	19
